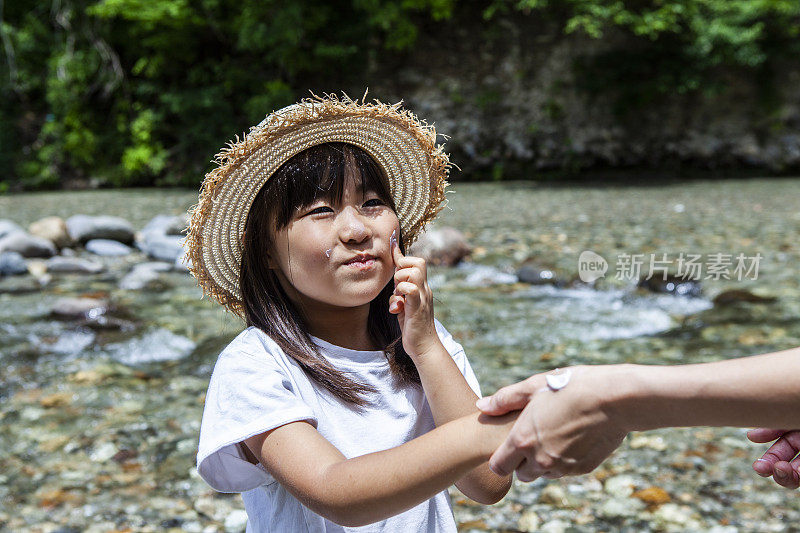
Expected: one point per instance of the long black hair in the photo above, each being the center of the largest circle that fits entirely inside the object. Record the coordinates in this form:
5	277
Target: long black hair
313	174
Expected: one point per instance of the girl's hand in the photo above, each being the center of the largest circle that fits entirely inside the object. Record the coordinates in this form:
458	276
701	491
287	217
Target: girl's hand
412	302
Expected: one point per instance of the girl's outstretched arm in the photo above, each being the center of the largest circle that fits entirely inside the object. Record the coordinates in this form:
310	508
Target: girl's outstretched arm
448	393
375	486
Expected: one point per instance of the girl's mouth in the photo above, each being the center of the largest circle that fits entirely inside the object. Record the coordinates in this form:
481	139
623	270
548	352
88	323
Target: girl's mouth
361	262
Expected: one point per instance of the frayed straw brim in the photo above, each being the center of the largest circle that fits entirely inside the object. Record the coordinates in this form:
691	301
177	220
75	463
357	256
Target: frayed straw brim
404	146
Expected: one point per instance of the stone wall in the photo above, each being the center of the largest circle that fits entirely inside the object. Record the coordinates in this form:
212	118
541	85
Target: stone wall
507	94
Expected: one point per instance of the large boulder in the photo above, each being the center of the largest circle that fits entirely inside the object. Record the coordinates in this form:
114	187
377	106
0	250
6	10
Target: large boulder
27	245
83	228
444	246
54	229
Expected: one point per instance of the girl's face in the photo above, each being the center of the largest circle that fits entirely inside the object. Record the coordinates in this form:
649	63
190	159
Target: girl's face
336	255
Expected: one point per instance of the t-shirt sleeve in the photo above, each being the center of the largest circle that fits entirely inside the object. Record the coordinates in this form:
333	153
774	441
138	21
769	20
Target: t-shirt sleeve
250	392
457	352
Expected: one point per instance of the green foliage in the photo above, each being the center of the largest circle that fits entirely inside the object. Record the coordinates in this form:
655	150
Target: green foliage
660	47
137	92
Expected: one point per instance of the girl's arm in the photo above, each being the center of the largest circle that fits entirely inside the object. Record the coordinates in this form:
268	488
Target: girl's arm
372	487
446	390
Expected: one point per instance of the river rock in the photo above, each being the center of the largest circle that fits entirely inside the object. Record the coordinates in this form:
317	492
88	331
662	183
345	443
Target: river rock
84	228
652	496
159	240
672	285
142	275
79	307
166	224
621	507
12	264
739	295
9	226
27	245
529	522
107	247
535	274
54	229
161	246
73	265
620	486
444	246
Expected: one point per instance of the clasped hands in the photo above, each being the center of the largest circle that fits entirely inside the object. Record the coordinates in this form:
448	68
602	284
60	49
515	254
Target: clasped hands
570	431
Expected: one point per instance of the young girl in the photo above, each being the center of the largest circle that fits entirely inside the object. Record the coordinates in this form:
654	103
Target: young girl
344	403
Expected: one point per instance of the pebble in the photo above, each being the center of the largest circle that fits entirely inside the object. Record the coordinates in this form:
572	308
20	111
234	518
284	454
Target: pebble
529	522
621	507
652	496
555	526
236	521
673	514
103	452
620	486
648	441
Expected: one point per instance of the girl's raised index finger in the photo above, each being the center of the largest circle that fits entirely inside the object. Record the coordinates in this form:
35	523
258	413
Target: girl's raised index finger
397	255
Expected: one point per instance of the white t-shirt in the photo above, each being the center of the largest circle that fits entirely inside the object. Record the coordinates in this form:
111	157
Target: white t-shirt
256	387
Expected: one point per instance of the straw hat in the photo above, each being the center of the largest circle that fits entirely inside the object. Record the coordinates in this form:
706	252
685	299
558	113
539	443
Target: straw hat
404	146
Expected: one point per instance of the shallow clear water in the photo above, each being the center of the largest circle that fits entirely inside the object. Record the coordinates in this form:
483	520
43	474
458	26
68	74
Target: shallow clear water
100	425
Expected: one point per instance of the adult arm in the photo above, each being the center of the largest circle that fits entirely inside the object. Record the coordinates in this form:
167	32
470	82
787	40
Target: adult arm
574	429
366	489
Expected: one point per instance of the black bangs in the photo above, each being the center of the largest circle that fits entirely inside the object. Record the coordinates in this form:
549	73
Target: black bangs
320	173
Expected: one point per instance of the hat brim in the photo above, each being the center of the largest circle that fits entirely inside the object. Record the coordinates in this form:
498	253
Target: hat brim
406	149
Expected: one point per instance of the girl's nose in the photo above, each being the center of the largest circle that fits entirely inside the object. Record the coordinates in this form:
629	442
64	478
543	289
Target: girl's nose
353	227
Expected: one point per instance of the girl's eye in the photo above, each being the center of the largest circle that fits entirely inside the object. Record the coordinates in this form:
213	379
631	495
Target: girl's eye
320	210
373	202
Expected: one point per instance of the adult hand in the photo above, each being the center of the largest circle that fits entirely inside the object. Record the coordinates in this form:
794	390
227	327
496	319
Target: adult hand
779	460
565	432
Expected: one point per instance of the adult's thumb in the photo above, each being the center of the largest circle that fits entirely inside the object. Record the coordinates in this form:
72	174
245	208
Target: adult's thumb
507	399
